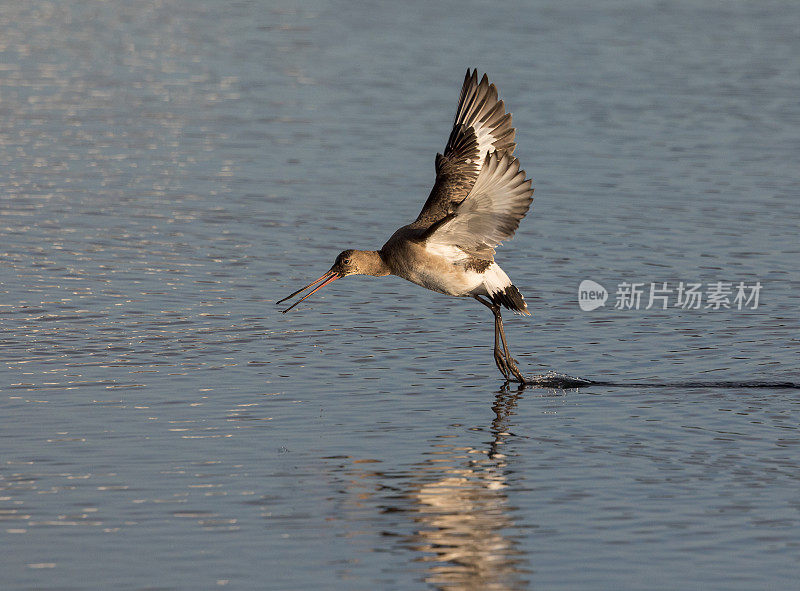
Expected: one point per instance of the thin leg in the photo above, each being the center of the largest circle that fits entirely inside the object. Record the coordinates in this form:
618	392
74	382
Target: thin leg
499	357
511	363
504	361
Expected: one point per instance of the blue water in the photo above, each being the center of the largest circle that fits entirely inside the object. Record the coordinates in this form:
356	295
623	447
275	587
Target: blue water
171	169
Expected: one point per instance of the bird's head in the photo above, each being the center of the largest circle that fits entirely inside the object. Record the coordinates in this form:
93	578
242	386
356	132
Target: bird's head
353	262
349	262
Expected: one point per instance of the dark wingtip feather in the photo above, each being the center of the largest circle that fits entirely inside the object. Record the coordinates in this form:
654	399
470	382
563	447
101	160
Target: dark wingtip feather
512	299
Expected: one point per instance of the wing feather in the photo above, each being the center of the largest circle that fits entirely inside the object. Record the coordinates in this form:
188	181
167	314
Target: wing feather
491	212
481	126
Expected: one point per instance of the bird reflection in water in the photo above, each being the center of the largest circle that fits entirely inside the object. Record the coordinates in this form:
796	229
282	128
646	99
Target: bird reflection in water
462	519
464	515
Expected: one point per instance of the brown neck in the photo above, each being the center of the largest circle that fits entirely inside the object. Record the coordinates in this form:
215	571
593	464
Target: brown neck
370	263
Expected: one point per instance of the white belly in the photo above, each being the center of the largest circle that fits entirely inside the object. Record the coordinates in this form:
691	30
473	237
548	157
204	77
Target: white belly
434	270
455	283
442	269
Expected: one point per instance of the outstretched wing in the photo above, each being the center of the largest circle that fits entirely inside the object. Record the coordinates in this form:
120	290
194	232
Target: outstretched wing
490	214
481	126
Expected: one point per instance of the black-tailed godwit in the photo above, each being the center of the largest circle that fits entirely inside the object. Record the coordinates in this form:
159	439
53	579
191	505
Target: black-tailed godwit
479	197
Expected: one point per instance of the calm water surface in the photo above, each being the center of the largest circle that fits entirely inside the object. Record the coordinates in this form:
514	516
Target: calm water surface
172	168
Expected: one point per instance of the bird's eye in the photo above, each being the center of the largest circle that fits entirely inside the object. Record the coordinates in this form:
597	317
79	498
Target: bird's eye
346	261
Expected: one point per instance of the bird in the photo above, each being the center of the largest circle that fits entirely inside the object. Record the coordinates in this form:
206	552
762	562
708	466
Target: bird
478	199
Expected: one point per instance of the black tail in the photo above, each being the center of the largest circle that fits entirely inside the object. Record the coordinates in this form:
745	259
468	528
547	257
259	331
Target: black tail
512	299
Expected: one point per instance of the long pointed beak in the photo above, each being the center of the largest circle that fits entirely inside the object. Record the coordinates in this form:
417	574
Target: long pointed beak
327	278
